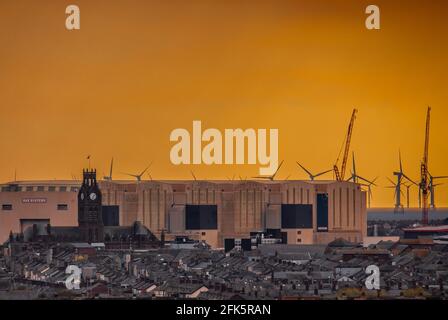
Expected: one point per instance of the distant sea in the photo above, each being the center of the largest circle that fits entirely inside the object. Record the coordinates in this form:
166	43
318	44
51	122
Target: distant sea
408	214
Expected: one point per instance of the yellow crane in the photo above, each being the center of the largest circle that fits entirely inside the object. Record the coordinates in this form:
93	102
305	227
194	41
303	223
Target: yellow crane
424	182
340	174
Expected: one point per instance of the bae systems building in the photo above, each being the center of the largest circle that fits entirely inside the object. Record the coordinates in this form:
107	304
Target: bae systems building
306	212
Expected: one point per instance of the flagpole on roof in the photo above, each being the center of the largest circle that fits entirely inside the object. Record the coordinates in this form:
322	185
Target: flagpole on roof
88	158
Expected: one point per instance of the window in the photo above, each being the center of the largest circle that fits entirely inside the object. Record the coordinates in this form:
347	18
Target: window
52	188
29	188
299	240
63	189
7	207
74	189
299	232
203	233
40	188
62	207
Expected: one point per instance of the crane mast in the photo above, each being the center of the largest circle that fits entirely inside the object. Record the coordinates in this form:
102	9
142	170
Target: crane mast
341	174
424	182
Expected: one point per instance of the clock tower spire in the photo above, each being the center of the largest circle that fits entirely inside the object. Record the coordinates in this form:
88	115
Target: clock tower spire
90	218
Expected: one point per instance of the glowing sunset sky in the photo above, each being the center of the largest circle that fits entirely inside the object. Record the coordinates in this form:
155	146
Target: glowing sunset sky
139	69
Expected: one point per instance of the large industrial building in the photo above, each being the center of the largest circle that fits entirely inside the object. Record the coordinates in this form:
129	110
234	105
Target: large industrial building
309	212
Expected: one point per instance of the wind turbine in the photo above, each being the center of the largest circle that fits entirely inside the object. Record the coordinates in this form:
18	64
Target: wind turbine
139	176
109	178
408	186
400	175
310	175
369	189
432	186
355	177
270	177
397	194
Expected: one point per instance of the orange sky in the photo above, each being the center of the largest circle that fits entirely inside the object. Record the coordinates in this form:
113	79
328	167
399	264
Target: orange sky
138	69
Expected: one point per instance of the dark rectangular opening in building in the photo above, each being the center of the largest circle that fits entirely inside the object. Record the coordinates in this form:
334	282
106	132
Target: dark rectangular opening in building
246	244
229	244
62	207
297	216
111	215
201	217
322	212
7	207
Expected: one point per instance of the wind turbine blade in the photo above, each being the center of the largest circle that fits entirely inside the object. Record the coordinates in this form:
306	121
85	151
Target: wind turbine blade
278	168
364	179
143	172
409	179
281	163
390	181
440	177
304	169
353	160
399	157
194	177
111	168
322	173
368	181
130	174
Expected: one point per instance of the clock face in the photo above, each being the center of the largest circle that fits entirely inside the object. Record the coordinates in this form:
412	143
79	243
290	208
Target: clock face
92	196
82	196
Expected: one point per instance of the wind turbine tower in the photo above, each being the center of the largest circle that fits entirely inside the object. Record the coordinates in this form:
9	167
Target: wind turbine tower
432	187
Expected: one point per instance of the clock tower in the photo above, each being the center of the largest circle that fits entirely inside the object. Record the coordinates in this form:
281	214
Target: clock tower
90	218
